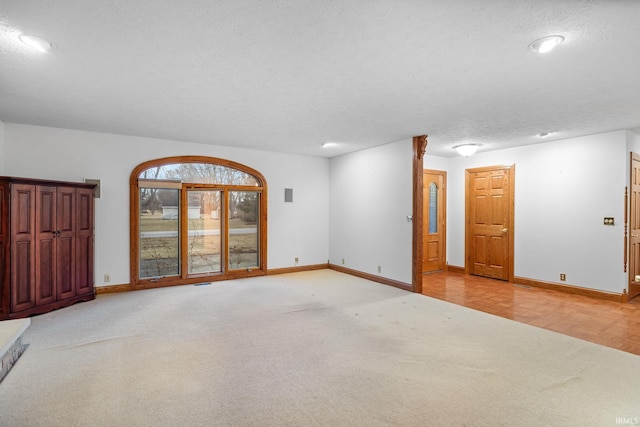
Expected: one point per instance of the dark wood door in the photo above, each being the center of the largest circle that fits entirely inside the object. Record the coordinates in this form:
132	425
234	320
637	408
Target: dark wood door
489	213
45	246
23	281
84	241
634	228
65	242
434	218
4	244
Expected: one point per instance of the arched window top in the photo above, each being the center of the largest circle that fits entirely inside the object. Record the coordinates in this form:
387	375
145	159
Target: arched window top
198	170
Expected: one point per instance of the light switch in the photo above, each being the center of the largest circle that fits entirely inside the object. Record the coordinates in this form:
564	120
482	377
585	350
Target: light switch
288	195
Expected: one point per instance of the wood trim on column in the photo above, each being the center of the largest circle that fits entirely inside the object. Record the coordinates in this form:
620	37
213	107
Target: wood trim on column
419	148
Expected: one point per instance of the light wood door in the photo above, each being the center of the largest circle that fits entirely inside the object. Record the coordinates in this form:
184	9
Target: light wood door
489	212
634	228
434	214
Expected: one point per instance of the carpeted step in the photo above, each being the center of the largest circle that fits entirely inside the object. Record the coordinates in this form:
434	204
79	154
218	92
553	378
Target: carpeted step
11	346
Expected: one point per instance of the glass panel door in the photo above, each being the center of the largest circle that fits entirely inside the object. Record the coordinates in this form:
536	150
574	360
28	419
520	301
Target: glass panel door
204	241
243	229
159	237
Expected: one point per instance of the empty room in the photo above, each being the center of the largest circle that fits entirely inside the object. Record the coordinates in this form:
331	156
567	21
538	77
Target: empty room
331	213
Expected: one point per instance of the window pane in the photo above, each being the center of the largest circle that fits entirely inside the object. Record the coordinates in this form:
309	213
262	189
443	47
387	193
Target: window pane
433	208
159	239
204	239
243	229
200	173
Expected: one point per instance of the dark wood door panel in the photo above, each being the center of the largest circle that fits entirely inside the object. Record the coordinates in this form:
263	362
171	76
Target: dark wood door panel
66	242
21	216
84	242
84	265
22	277
23	292
45	271
65	266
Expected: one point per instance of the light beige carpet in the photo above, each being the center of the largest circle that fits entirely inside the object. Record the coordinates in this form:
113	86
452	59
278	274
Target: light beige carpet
307	349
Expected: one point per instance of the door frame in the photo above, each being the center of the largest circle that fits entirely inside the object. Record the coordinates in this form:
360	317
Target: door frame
444	213
511	170
630	219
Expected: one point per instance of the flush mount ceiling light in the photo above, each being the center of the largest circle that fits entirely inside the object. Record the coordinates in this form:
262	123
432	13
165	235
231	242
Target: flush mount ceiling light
329	144
544	134
36	42
546	44
467	149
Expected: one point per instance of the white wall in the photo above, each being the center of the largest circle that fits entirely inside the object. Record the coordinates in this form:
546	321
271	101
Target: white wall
633	142
355	206
371	196
1	148
435	162
563	190
299	229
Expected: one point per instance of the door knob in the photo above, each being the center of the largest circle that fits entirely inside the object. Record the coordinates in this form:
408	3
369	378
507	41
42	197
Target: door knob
504	230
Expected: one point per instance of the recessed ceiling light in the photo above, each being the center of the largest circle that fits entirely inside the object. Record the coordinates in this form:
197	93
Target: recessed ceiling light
467	149
36	42
329	144
546	44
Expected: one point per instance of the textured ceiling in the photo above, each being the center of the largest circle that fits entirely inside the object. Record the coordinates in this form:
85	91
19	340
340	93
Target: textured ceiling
289	75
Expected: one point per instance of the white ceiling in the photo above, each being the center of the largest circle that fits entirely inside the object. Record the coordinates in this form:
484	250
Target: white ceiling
288	75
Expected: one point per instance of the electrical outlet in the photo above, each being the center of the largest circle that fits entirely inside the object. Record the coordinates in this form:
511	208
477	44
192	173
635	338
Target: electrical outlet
107	278
296	260
379	269
563	277
342	261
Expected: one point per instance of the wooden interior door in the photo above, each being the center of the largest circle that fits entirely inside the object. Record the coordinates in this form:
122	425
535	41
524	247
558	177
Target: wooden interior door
434	217
489	212
634	228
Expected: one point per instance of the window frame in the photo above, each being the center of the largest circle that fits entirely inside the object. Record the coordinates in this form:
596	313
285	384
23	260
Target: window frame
134	221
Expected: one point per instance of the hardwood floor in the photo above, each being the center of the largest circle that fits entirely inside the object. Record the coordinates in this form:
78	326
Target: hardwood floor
607	323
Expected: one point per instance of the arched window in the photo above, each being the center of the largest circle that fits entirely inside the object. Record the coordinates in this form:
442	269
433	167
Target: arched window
196	219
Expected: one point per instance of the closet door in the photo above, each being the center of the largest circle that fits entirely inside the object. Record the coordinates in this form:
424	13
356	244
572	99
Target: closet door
45	257
4	245
84	241
65	242
23	280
